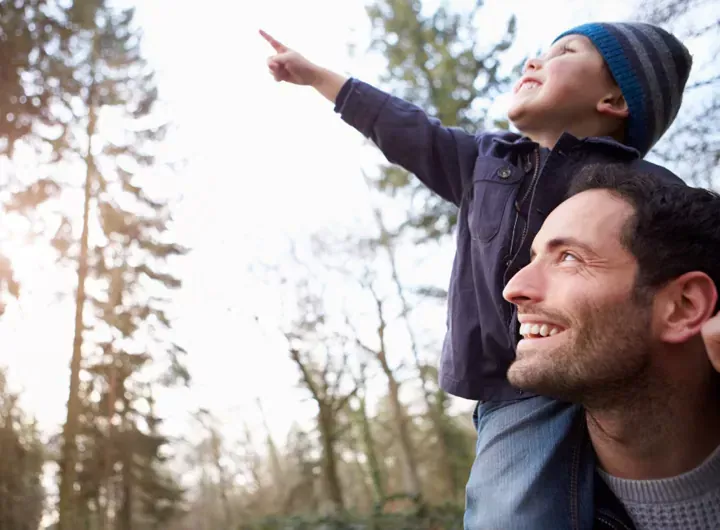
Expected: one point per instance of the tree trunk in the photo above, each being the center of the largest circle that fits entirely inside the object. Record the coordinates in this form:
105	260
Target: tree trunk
371	455
126	512
216	449
128	489
68	475
435	410
275	468
332	480
106	479
411	479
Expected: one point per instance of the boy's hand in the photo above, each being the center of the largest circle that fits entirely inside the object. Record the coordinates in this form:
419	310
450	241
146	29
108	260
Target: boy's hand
288	65
711	336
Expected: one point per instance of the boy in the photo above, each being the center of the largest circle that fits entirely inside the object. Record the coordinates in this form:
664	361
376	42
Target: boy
605	92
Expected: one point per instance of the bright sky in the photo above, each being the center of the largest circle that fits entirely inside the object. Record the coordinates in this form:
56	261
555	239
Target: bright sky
263	162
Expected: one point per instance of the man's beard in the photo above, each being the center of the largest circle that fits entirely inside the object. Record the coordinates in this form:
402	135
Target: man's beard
604	359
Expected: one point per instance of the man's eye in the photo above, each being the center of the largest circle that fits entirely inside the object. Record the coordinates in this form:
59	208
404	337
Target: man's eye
566	256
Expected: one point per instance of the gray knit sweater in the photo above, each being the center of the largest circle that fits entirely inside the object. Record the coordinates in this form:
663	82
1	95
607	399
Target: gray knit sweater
687	502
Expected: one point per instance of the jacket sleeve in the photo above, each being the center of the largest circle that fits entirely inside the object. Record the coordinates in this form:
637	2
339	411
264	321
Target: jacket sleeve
441	157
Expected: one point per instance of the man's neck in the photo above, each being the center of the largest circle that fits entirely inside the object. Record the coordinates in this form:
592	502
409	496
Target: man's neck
656	438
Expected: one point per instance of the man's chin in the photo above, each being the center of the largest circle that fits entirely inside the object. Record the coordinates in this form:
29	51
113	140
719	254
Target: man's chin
533	379
523	375
530	376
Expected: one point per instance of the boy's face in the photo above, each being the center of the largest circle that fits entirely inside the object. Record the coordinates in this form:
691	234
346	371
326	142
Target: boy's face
561	90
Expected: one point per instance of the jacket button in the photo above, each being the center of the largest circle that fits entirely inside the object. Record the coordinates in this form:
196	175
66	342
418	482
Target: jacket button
504	173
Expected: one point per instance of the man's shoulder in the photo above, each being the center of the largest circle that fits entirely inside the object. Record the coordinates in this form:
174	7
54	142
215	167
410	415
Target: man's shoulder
662	173
615	151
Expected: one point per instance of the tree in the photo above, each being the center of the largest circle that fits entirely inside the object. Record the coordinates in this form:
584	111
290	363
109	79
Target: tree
214	454
325	377
453	458
409	465
363	425
122	480
22	496
692	145
26	32
102	95
111	82
437	62
302	494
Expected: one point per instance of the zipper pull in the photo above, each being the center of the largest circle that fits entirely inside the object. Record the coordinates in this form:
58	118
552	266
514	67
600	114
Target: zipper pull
528	164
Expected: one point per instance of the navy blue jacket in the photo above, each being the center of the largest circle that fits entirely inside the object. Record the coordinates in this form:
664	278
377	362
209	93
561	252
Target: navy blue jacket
504	190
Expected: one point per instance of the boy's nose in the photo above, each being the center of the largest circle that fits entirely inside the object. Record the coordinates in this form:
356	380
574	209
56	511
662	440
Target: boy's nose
533	64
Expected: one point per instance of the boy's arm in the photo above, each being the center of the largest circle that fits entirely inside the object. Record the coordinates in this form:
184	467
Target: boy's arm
441	157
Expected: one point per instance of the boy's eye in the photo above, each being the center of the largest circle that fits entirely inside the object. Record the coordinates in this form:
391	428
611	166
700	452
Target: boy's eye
567	49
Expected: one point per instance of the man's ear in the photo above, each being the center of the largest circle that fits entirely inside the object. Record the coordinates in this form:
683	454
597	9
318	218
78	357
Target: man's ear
614	104
684	305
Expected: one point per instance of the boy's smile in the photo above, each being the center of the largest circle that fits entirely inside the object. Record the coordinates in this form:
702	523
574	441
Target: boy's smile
526	83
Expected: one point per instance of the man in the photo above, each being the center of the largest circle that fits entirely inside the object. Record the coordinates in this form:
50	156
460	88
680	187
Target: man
621	281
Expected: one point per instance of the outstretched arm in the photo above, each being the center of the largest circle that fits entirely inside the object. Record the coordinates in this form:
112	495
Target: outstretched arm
441	157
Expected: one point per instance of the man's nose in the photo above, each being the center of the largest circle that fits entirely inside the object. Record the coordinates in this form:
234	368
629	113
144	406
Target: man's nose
525	287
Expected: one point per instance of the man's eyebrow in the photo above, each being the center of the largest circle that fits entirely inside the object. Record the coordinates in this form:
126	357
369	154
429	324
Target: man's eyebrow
559	242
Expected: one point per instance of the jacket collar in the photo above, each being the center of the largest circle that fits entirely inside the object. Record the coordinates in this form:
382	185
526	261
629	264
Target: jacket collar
567	142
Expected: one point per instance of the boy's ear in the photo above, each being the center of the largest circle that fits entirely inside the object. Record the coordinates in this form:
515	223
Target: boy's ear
614	104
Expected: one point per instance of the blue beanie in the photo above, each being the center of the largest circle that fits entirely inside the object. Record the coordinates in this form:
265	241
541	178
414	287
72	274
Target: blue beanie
651	68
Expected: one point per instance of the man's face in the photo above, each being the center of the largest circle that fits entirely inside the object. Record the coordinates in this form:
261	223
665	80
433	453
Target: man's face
585	330
560	88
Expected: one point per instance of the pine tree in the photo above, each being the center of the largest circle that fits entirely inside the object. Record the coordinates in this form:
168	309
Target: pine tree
21	493
104	133
26	33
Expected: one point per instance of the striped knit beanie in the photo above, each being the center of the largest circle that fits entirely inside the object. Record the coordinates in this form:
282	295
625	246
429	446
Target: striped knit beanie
651	68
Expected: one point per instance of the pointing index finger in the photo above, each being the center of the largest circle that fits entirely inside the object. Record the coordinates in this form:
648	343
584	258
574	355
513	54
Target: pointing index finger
279	46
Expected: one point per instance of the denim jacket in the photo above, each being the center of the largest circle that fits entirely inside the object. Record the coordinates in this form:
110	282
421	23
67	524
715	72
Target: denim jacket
504	192
586	485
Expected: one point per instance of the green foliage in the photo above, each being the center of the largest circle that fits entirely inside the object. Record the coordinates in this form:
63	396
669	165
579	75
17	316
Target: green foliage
444	517
78	82
21	492
440	63
26	33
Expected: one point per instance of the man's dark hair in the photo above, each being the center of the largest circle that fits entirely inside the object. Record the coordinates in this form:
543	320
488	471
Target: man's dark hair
675	228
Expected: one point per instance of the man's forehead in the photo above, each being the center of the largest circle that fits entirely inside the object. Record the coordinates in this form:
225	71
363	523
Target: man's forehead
594	217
